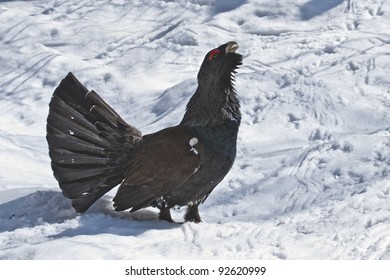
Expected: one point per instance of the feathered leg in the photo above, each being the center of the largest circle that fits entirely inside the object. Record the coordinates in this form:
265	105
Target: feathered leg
192	214
165	214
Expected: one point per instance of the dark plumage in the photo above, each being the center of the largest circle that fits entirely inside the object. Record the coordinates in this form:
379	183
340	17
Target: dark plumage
93	149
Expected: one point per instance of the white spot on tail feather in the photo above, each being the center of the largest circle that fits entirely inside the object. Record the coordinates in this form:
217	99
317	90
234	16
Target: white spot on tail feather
193	142
71	132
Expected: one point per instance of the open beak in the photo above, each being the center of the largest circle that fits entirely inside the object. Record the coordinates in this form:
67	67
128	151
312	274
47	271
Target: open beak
231	47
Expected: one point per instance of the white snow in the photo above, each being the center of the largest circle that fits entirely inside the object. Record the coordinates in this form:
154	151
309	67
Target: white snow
311	177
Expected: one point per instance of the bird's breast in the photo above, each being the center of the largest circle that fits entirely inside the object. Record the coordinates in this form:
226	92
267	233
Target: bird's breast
221	139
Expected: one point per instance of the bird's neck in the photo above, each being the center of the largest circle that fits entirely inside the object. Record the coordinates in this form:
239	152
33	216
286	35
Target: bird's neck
213	106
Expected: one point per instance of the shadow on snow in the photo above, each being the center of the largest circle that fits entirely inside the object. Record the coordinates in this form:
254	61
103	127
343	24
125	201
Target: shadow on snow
315	8
52	208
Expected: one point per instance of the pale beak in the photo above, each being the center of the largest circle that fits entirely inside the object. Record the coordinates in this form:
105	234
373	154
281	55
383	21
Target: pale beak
231	47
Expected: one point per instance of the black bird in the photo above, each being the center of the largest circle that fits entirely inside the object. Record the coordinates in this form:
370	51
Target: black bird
93	149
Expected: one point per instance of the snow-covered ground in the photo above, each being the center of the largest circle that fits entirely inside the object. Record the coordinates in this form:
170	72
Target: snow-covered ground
312	175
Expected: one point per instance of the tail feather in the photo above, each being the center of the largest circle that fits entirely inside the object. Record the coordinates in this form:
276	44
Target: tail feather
82	202
66	157
58	139
89	143
105	112
68	174
75	189
74	129
65	110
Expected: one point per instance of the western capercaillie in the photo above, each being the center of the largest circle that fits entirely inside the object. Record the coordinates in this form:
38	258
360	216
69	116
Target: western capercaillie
93	149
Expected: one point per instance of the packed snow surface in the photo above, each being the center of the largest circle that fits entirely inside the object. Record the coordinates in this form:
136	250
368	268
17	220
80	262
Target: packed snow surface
312	174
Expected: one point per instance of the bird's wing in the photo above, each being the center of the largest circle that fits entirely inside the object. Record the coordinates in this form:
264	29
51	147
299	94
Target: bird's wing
164	161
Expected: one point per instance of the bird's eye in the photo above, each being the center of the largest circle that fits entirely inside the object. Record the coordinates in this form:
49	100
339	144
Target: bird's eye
213	54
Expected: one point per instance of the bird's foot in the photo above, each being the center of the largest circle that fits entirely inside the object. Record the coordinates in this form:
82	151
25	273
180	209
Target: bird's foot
192	214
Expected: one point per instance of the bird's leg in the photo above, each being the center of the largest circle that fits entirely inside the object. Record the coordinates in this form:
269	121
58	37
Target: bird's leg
192	214
165	214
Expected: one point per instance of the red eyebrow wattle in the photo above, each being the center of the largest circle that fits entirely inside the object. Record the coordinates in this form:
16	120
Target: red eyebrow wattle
212	53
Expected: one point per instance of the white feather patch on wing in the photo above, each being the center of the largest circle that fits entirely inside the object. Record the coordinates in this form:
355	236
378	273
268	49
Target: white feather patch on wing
193	142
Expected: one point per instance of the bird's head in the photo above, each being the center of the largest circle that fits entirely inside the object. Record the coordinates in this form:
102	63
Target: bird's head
220	64
215	100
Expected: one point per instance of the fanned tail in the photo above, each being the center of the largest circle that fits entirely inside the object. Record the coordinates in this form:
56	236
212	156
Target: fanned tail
89	143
